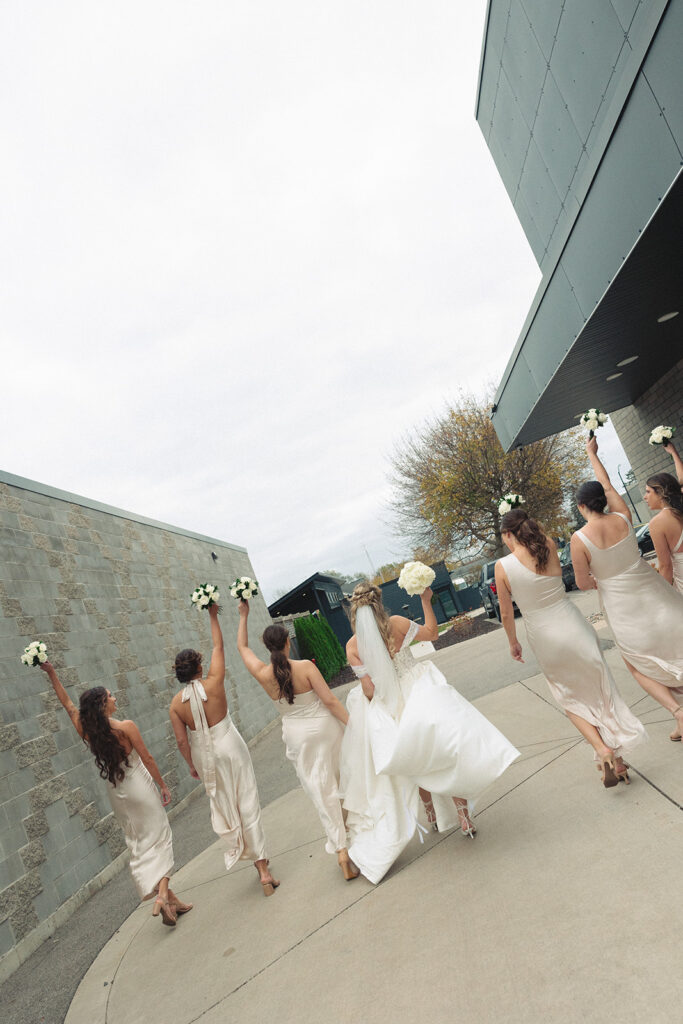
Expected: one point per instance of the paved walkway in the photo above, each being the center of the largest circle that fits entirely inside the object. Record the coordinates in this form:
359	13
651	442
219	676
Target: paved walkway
566	907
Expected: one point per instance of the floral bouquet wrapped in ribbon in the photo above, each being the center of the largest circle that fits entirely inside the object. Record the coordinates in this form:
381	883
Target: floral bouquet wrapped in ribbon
205	595
244	588
593	419
508	502
34	654
661	434
416	577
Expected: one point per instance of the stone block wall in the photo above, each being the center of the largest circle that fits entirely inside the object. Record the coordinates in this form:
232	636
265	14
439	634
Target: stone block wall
108	592
660	404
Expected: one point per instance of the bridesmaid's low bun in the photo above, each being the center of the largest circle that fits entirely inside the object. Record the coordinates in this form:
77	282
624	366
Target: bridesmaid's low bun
592	495
188	665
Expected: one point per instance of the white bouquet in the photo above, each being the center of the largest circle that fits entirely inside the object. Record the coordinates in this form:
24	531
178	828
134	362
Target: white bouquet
508	502
244	588
593	419
416	577
661	434
205	595
34	654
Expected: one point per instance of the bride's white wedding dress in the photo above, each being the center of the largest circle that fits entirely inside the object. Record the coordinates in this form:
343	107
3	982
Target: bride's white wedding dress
416	731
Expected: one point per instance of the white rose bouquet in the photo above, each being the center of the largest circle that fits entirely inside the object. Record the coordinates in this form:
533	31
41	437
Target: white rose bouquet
593	419
244	588
205	595
508	502
34	654
661	434
415	577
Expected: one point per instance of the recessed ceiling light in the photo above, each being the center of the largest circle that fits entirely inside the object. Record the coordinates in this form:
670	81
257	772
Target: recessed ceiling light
667	316
625	362
613	376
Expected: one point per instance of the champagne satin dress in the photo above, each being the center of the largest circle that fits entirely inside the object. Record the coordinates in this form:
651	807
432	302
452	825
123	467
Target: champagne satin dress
644	612
312	738
222	760
568	652
677	564
138	809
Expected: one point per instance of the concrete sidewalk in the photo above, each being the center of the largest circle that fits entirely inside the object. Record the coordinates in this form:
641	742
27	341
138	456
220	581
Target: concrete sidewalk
564	908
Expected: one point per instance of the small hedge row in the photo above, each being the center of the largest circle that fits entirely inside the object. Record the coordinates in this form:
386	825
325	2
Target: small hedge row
318	643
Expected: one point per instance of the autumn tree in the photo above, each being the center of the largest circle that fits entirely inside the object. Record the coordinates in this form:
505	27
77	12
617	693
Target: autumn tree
449	475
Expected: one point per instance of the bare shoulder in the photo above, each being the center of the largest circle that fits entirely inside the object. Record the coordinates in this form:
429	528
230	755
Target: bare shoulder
352	645
399	623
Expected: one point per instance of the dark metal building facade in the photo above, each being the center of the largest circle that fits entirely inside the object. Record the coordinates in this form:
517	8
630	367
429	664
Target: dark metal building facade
581	106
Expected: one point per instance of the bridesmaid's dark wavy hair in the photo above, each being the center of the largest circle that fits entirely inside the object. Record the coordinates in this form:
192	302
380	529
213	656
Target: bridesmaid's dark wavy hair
275	638
110	754
527	531
592	495
188	665
669	489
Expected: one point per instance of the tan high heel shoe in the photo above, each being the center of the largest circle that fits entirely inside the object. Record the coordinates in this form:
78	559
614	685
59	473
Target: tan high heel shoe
167	911
675	736
349	869
270	885
609	775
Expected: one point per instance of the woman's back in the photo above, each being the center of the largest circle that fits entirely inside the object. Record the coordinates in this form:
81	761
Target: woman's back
215	706
612	544
532	590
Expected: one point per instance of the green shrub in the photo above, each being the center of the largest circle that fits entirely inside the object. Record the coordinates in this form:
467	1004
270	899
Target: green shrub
318	643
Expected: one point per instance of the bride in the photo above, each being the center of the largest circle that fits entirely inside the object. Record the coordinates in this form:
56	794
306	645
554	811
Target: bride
409	734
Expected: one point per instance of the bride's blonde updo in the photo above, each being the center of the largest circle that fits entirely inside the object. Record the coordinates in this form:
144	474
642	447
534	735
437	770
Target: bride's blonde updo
370	595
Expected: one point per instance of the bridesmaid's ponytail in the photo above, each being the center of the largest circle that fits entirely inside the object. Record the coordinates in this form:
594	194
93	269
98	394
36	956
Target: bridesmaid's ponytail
669	490
275	639
528	533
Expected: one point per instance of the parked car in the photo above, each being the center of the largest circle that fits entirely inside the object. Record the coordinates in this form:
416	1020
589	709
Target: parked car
489	591
645	542
568	578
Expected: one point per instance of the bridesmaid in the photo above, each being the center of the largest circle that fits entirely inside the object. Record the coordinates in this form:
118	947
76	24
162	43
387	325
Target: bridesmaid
644	613
312	727
131	771
217	754
565	645
663	496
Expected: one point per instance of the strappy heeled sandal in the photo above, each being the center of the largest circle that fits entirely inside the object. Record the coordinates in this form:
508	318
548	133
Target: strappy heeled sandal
431	814
609	775
348	868
269	885
675	736
467	826
167	911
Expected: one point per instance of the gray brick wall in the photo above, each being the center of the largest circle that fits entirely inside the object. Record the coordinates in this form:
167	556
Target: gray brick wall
108	592
633	424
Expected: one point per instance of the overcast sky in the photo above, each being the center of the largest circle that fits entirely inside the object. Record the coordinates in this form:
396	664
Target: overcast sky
245	247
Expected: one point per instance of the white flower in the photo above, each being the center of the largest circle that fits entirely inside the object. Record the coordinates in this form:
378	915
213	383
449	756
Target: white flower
209	588
233	592
203	601
661	434
504	507
602	418
246	594
215	595
415	577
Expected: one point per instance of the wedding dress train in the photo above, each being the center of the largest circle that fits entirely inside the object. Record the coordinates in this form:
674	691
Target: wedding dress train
417	731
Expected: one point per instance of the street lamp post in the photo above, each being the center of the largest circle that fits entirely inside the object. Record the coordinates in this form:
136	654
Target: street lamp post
626	492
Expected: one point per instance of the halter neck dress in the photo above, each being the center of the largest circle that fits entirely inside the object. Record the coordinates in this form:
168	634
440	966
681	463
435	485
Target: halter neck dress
222	760
568	652
138	809
312	738
643	611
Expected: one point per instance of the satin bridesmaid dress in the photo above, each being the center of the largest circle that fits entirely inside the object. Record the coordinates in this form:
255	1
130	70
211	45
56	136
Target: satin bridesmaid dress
568	652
